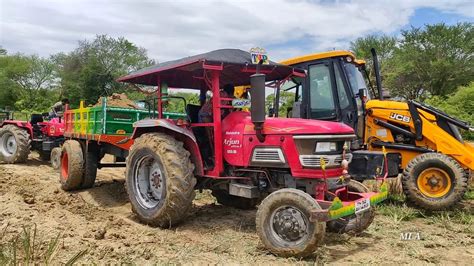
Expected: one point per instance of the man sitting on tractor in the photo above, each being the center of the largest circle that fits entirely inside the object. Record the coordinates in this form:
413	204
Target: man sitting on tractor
205	114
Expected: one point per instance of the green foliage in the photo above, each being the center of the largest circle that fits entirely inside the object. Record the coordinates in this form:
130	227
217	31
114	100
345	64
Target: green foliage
287	98
27	82
459	104
433	60
28	248
90	70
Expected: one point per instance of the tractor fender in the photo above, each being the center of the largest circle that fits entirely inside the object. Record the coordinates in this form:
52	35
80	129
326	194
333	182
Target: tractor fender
184	135
21	124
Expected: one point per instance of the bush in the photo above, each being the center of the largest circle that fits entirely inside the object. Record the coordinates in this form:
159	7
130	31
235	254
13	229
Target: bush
459	104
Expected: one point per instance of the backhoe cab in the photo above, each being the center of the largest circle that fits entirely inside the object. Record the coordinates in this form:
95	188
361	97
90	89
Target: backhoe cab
422	142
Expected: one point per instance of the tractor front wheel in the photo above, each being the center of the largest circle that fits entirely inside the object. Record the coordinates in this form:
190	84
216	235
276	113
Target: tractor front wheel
159	179
434	181
72	165
14	144
56	158
283	223
356	223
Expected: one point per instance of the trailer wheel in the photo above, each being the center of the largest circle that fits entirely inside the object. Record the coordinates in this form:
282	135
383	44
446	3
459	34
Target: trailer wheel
90	170
356	223
159	179
283	223
56	158
72	165
224	198
434	181
14	144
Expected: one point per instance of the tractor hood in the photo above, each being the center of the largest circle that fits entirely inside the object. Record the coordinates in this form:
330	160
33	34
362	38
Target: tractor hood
241	121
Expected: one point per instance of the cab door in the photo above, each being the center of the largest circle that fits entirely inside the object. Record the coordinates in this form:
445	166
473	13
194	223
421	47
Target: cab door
328	93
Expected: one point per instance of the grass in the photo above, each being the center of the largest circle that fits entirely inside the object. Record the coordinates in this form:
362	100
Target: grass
27	247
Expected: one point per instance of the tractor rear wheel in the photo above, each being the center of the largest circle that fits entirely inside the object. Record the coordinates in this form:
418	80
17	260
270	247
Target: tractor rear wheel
283	223
159	179
14	144
56	158
356	223
72	165
224	198
434	181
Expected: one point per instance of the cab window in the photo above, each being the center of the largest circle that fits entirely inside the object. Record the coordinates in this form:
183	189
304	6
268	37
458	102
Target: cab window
341	92
321	95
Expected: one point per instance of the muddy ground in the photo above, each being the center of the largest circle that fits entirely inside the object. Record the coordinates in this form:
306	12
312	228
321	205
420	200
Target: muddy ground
99	222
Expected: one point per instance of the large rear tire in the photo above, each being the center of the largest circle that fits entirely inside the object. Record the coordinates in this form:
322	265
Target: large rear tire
72	166
90	167
283	223
434	181
356	223
159	179
14	144
224	198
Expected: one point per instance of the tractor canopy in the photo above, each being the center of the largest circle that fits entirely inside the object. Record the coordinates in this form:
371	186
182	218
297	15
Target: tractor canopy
235	65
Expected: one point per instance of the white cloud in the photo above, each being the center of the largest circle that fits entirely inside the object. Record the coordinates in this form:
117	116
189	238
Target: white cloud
170	29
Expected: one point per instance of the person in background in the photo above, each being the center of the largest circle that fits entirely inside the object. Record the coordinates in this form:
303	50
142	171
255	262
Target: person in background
205	113
58	108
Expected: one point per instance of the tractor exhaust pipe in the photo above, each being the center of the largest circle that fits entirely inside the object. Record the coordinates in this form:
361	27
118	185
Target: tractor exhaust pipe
378	80
257	93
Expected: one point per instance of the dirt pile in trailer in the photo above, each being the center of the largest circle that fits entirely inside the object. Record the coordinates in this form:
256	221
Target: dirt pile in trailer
99	222
118	100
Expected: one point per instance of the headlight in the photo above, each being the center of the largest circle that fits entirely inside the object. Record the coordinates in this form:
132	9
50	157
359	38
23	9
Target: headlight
326	146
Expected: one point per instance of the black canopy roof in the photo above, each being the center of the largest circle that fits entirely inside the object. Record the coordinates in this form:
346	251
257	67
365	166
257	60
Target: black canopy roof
184	73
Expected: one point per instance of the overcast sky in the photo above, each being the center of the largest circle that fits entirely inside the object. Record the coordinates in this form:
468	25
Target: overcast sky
177	28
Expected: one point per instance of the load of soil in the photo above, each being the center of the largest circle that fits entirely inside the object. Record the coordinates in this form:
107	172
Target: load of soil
118	100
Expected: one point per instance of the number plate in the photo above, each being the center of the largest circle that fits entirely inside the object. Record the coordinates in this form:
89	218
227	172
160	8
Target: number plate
362	205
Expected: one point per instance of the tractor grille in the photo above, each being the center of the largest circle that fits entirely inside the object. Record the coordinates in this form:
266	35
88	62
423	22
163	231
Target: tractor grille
314	161
268	155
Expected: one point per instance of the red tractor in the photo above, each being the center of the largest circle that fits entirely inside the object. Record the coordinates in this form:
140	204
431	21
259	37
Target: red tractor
294	169
17	138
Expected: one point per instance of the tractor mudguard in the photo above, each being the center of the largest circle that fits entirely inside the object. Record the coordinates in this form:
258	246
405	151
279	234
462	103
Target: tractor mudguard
184	135
21	124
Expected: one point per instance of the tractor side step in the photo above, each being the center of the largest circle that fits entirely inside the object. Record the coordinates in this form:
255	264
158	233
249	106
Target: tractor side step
245	191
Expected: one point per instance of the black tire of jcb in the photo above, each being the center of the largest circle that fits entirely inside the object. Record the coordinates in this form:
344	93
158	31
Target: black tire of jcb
356	223
91	162
305	203
459	181
224	198
179	179
23	142
75	166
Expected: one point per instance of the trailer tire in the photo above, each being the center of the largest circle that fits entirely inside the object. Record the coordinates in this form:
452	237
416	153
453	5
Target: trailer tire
283	224
224	198
56	158
15	144
91	163
159	180
356	223
434	181
72	165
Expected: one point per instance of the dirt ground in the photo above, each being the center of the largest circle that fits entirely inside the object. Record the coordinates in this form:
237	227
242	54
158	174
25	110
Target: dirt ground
99	221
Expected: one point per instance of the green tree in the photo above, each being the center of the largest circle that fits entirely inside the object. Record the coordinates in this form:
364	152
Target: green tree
434	60
27	82
459	105
287	98
90	70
